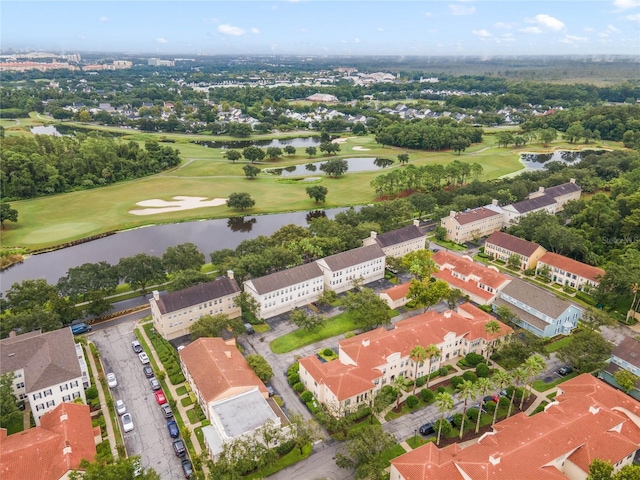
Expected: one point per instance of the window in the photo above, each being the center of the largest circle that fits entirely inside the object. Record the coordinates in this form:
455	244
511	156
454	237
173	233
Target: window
66	398
39	407
76	395
20	385
48	392
51	403
64	387
36	396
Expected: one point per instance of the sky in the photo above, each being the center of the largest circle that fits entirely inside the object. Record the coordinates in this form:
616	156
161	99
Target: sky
322	27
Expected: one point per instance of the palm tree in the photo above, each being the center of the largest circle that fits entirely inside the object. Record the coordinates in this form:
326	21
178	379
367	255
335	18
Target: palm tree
533	366
517	377
399	382
491	327
501	378
444	402
467	390
417	355
431	352
483	385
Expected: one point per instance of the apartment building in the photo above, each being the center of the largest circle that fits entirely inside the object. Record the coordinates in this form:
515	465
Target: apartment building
473	224
397	243
502	246
363	264
566	271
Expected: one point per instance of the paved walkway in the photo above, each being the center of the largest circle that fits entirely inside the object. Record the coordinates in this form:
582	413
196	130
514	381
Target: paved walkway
111	437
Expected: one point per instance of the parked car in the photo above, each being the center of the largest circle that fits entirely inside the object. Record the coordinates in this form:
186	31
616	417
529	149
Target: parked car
249	328
271	391
79	328
136	346
148	371
155	384
166	410
187	468
179	448
112	381
143	358
172	426
491	398
121	408
160	398
566	370
127	422
427	429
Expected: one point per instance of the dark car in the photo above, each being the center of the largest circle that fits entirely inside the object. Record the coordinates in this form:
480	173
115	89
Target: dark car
172	426
148	371
166	410
179	448
427	429
187	468
566	370
491	398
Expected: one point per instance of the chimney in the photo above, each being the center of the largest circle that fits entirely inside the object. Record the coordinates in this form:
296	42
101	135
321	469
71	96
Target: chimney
447	314
230	274
494	202
156	295
66	450
572	180
365	342
373	234
452	213
416	223
540	189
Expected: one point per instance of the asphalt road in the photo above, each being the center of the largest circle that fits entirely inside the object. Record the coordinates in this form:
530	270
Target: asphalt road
150	438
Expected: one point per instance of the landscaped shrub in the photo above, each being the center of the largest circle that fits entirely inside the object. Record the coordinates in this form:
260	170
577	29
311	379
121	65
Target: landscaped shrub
490	406
585	297
328	352
482	370
455	381
473	359
472	413
441	389
91	393
420	381
293	369
486	308
103	452
293	378
412	401
457	419
426	394
284	448
530	272
471	376
306	396
443	372
462	363
299	387
504	402
446	427
360	413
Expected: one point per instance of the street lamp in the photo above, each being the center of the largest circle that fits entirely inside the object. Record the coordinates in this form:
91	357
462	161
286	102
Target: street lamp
415	434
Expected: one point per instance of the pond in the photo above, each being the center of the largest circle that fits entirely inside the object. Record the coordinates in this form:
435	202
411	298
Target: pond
356	164
208	235
536	161
302	142
45	130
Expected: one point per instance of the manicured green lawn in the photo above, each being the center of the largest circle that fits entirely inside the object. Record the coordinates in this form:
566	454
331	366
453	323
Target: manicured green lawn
449	245
416	441
392	453
557	345
542	386
290	458
181	390
193	416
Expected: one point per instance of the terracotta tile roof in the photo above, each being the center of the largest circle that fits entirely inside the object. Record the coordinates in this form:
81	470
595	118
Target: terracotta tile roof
286	278
174	301
400	235
531	204
47	358
217	366
397	292
345	381
470	269
468	288
588	420
629	351
573	266
353	257
480	213
512	244
39	453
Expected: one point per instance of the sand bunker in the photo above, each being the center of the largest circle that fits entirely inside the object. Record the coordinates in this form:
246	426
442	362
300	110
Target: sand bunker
341	140
361	149
179	203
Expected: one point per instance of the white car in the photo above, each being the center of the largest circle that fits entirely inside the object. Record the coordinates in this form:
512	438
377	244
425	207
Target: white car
121	408
127	422
112	381
143	358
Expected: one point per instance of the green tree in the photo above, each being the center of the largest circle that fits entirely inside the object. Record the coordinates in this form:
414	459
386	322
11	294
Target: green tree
335	167
455	295
311	151
533	366
574	132
260	366
423	203
483	385
363	450
626	379
440	233
29	294
98	303
290	150
600	470
141	270
431	352
304	431
251	171
467	391
518	377
253	154
548	135
367	309
594	318
233	155
501	379
120	469
187	278
491	328
420	263
418	355
317	193
460	144
7	213
514	261
403	158
444	402
428	293
9	411
184	256
306	322
89	277
240	200
274	152
248	305
586	351
215	325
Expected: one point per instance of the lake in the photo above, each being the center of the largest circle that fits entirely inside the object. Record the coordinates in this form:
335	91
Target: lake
302	142
45	130
536	161
356	164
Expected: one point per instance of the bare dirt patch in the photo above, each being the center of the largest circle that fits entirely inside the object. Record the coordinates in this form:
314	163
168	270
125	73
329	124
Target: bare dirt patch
179	203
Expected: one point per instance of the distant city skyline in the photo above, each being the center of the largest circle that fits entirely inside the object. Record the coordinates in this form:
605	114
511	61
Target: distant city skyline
308	27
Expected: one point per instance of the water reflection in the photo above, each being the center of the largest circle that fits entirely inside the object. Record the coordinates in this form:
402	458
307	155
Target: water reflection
536	161
301	142
356	164
239	224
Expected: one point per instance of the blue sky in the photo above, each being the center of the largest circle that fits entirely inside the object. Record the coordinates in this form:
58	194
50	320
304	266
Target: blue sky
308	27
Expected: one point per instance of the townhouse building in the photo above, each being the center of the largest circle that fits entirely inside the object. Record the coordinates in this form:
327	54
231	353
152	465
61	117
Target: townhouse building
173	313
364	264
371	360
626	356
396	296
283	291
515	211
482	284
397	243
48	369
473	224
562	193
502	246
567	271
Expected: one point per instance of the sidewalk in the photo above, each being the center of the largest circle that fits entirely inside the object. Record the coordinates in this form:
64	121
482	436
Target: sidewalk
111	437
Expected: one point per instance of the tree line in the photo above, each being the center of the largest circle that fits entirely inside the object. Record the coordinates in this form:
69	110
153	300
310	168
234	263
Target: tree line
428	134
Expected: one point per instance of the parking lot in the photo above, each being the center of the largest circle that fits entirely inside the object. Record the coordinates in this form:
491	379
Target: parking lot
150	437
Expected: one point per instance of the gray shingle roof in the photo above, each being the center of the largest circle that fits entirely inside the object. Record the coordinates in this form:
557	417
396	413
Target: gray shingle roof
221	287
401	235
533	204
286	278
353	257
47	358
537	298
629	351
563	189
513	244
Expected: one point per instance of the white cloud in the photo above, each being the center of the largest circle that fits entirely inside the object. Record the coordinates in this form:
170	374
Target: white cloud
507	37
227	29
461	10
380	29
82	37
161	40
626	4
571	39
255	31
589	29
634	18
356	40
104	19
534	30
481	33
546	21
427	14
